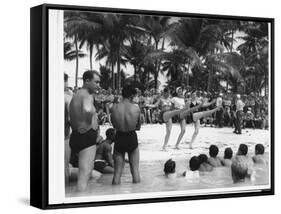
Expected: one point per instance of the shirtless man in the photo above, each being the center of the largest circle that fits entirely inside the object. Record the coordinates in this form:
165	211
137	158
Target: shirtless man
125	117
83	120
104	160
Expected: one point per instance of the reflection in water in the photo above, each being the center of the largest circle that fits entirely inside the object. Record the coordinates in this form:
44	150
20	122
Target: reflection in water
153	180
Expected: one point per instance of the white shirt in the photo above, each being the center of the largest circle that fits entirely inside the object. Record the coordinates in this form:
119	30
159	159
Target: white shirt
178	102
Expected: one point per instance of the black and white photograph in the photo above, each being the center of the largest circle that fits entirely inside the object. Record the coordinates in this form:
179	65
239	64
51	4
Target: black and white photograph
157	105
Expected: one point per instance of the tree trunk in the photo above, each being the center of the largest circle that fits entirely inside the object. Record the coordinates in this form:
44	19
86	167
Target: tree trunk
187	75
118	73
76	51
91	57
112	76
210	79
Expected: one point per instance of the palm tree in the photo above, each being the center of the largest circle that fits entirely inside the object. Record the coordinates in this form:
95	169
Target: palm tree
75	24
255	51
70	54
116	30
157	28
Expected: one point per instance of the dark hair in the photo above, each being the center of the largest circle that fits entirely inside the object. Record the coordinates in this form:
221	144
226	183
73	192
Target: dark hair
89	75
128	91
228	153
203	158
243	149
213	151
194	163
65	77
259	149
169	166
110	134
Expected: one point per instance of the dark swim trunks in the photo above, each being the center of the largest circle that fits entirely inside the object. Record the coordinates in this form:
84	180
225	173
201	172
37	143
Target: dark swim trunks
100	165
126	142
79	141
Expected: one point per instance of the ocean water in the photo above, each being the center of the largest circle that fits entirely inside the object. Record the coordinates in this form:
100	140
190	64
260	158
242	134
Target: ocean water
153	180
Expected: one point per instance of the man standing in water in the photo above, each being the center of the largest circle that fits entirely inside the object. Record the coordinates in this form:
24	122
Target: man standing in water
83	120
125	117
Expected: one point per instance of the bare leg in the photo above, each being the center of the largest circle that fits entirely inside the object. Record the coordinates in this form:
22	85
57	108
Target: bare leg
199	115
168	132
119	162
182	124
195	133
86	161
134	158
66	159
108	170
169	114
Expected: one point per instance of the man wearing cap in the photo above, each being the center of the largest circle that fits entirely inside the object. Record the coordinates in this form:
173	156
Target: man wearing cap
238	114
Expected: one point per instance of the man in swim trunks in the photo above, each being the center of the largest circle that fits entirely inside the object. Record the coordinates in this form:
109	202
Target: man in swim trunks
125	117
104	160
83	120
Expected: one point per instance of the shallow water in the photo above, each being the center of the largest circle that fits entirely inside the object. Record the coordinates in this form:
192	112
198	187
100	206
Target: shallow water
152	160
153	180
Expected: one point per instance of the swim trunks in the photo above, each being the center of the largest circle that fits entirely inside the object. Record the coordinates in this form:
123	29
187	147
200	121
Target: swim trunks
79	142
126	142
100	165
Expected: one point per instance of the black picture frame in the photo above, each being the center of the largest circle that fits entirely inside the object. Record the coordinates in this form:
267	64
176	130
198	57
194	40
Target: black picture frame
39	77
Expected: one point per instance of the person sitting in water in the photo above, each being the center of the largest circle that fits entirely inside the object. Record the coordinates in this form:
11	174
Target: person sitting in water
204	165
242	152
259	155
239	169
226	161
213	159
104	160
170	169
194	165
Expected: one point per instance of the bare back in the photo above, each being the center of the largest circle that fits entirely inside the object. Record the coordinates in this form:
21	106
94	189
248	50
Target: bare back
125	116
82	112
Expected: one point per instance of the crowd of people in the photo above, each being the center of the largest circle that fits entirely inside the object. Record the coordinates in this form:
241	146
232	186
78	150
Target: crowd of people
254	115
241	165
90	106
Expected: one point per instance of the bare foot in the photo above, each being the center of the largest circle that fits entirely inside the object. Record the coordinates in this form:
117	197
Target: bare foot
176	147
164	149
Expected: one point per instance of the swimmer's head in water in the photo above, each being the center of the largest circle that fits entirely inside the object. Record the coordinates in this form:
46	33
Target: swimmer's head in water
213	151
203	158
228	153
259	149
110	134
243	149
129	91
194	163
170	166
91	80
239	169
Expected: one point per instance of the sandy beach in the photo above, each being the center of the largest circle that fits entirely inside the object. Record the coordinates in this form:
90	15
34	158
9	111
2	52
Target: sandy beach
151	138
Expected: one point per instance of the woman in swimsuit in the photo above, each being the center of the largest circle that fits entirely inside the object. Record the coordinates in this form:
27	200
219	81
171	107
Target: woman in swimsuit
196	115
166	105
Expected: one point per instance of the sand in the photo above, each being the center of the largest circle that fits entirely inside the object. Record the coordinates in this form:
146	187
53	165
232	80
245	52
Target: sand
151	138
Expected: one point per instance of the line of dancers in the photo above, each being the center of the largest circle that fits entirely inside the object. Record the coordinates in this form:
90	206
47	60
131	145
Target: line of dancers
185	112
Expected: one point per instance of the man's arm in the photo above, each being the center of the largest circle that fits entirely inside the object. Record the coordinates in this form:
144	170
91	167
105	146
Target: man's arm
108	154
87	106
138	126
